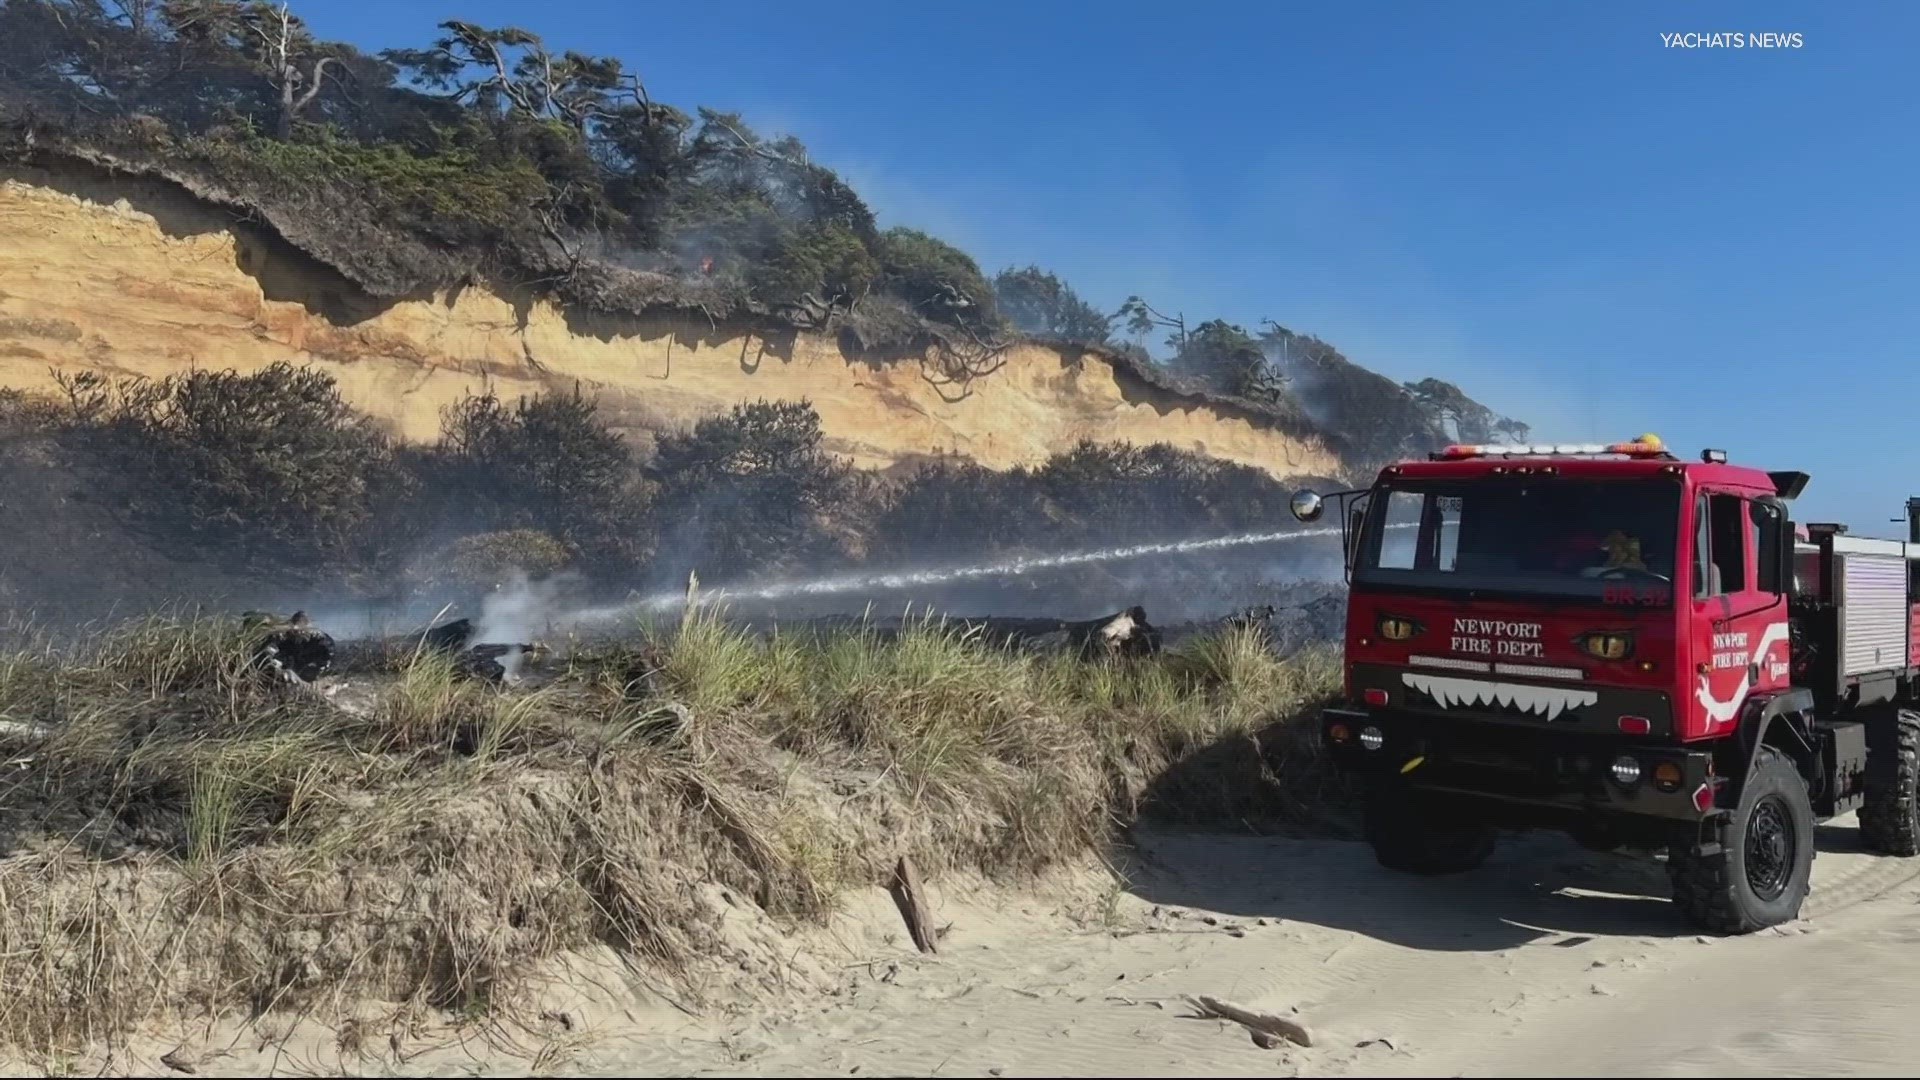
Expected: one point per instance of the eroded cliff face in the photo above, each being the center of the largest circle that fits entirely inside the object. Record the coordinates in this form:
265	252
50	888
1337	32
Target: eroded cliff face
125	275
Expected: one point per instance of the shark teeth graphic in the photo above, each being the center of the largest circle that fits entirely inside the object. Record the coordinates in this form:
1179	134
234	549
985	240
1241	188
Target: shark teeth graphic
1454	693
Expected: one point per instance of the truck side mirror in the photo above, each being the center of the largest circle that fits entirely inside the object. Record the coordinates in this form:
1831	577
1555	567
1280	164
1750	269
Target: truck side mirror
1774	553
1307	505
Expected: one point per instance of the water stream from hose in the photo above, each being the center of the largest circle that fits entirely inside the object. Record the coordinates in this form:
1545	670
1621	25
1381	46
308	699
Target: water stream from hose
895	580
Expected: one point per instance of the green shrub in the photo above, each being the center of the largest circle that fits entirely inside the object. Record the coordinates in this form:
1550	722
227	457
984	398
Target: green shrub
1038	302
488	559
826	262
457	192
272	466
545	463
942	282
746	489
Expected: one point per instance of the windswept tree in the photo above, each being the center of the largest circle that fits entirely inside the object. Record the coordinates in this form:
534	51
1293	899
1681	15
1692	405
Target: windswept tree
1464	418
1216	354
138	14
939	280
1142	319
268	37
586	122
508	68
1224	357
1038	302
759	210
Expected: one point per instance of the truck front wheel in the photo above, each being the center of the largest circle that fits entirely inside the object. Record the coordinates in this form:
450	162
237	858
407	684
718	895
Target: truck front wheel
1420	836
1890	813
1759	873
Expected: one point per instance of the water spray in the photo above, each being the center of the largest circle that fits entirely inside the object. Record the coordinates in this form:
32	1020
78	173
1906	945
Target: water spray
906	579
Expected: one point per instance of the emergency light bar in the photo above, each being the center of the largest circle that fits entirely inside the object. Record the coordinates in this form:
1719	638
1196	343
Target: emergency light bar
1646	446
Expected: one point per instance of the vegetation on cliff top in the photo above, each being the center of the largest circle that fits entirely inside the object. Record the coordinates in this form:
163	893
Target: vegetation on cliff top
484	153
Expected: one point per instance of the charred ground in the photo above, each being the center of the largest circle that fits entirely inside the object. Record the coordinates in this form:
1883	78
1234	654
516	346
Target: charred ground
267	489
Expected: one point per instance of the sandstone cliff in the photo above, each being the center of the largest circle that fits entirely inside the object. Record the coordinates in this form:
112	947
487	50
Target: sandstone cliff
135	275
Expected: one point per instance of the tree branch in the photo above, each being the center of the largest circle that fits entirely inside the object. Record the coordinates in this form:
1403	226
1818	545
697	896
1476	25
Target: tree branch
640	94
762	151
313	90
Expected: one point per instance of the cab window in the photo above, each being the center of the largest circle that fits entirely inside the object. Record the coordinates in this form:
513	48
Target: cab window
1720	546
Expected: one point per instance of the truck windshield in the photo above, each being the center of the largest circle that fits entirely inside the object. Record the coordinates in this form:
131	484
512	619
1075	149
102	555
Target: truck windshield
1602	540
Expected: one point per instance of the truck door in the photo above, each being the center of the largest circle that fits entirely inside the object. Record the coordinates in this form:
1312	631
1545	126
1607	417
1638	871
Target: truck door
1739	632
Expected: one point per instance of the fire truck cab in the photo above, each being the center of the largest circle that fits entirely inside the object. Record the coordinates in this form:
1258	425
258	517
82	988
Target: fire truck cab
1631	648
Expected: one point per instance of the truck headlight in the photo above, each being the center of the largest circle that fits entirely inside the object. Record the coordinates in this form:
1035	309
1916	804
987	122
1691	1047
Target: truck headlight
1371	738
1626	770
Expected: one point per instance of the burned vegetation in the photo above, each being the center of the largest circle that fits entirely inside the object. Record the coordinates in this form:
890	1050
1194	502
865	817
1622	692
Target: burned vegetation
218	488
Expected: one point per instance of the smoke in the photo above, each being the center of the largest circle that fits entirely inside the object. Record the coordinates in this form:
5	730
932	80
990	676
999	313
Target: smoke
521	612
1307	382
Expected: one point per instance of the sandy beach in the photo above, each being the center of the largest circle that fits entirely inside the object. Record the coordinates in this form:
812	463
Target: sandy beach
1551	960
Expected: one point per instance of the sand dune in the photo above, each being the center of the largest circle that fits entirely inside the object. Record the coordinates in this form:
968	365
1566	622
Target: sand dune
1551	960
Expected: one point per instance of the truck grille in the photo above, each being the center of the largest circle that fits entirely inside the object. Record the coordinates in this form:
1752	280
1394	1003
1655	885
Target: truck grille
1509	698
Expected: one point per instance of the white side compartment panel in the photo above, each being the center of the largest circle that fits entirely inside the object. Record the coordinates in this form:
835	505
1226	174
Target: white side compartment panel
1875	595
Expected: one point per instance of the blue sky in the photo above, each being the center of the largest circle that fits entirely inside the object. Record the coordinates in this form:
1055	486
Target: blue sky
1583	228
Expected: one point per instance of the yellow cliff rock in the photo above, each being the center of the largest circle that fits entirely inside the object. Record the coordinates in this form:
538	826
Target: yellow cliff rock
136	276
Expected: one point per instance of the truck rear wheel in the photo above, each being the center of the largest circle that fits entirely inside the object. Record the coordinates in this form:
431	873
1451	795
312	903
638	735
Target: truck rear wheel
1758	877
1421	836
1890	813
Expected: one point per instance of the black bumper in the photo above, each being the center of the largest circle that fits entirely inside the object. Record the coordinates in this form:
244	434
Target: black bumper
1545	778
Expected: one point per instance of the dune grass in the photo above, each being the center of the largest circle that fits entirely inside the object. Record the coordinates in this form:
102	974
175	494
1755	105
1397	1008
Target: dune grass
181	837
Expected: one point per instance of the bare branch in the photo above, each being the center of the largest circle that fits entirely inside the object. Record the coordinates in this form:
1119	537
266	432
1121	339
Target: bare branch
640	94
762	151
573	253
313	90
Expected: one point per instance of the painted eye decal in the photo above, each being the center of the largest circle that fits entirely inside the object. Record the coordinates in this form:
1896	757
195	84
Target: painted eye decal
1606	644
1394	628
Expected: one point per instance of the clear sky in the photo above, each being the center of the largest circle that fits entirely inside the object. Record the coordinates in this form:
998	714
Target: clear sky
1582	227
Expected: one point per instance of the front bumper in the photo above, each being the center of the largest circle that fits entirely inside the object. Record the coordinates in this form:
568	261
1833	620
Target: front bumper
1542	777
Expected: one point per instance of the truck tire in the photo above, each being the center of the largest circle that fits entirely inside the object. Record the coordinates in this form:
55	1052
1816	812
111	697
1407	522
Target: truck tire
1759	876
1890	812
1417	835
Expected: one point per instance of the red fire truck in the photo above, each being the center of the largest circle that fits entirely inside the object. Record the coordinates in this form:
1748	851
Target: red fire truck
1634	649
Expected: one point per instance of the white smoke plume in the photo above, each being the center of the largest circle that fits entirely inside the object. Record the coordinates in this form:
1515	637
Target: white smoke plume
521	611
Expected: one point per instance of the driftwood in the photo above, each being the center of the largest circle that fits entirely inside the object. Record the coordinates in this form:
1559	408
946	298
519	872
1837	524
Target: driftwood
489	662
22	729
1259	616
911	899
449	637
1278	1027
1125	634
292	649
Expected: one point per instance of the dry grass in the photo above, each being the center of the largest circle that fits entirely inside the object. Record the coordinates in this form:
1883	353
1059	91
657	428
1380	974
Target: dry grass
183	838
